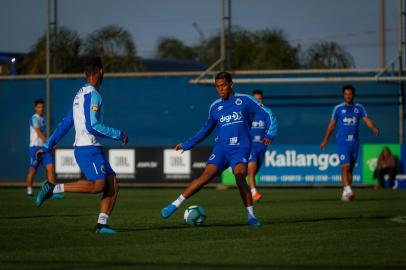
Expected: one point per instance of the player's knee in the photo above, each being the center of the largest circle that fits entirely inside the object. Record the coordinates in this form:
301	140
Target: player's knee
239	177
98	186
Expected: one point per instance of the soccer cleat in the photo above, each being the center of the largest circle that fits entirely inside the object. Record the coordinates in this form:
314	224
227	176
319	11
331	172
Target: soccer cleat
348	197
30	196
254	222
256	196
168	210
104	229
58	196
45	192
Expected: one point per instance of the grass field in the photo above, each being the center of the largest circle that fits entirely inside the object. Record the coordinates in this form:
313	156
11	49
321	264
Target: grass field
302	228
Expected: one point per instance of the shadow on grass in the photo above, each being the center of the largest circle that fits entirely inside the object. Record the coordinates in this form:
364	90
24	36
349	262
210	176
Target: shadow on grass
61	264
47	216
178	227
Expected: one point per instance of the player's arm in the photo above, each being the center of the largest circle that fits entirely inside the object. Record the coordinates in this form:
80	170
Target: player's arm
37	128
200	135
60	131
329	131
371	125
271	123
93	124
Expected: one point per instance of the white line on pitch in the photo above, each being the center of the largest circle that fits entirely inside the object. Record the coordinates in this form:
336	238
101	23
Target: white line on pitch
399	219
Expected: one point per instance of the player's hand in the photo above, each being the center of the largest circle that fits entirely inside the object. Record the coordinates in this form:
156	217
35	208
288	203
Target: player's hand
266	141
323	144
376	131
125	139
38	154
178	147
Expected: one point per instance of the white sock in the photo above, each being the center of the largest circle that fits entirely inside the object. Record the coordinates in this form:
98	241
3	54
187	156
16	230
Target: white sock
29	190
179	201
59	188
347	189
250	212
253	191
103	218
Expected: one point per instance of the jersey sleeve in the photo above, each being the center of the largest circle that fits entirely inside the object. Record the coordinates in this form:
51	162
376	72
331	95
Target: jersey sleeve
362	111
271	123
63	128
202	133
334	115
92	107
35	122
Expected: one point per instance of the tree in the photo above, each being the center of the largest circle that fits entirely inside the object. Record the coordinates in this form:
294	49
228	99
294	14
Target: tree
173	48
328	55
65	48
115	46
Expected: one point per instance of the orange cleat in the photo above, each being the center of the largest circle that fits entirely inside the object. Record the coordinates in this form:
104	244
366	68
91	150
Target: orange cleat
256	196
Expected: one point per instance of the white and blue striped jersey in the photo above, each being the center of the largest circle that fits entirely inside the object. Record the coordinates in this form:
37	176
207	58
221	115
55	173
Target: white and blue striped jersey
86	115
37	121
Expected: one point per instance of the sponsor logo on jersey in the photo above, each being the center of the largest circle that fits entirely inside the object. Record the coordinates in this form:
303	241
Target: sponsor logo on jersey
258	124
235	116
234	141
342	157
350	121
212	156
343	111
219	108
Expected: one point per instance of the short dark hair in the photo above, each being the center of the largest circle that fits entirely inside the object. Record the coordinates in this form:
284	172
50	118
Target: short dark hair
38	101
257	92
349	87
92	65
224	75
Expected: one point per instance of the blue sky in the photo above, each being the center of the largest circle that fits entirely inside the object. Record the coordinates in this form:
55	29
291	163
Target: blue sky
352	23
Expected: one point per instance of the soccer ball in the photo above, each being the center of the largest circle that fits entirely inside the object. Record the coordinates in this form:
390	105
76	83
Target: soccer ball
194	215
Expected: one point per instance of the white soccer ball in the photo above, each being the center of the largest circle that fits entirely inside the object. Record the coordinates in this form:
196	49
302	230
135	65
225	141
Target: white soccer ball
194	215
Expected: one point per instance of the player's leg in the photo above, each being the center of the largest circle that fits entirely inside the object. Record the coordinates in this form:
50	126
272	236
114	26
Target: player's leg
254	164
238	162
29	181
346	176
31	172
107	203
208	174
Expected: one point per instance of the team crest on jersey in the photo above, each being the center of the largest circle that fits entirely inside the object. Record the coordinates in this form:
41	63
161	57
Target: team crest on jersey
343	111
95	108
212	156
238	102
219	108
342	157
356	110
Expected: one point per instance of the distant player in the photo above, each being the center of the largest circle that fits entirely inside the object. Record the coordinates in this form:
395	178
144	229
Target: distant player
232	117
37	139
258	148
347	116
86	115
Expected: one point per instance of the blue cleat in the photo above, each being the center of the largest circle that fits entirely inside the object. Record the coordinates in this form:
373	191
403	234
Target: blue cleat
45	192
254	222
168	210
58	196
104	229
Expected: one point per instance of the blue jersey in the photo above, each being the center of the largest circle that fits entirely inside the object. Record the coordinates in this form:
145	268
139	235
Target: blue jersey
258	128
348	118
86	116
232	119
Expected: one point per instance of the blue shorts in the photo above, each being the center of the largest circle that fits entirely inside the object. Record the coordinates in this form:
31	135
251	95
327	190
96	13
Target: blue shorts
92	162
257	154
225	156
46	158
348	154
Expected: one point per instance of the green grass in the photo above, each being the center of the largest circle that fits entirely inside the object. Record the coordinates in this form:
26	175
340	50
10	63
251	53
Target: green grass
302	228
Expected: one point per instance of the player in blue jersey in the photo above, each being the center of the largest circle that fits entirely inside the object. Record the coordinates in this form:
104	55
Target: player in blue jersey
232	116
258	148
86	115
346	116
37	139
